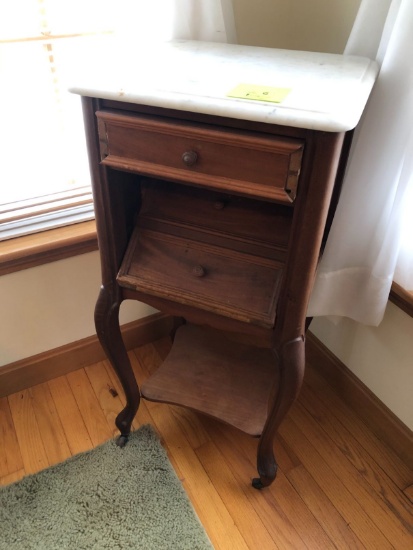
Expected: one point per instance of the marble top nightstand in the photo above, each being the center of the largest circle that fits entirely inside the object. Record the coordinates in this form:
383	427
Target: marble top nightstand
215	210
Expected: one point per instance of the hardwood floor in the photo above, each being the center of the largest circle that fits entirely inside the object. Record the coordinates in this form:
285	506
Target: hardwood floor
338	486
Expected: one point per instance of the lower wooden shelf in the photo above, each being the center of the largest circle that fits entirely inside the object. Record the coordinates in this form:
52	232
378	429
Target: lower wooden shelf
210	373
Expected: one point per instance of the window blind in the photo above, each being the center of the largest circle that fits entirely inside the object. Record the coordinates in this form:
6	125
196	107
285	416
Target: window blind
44	175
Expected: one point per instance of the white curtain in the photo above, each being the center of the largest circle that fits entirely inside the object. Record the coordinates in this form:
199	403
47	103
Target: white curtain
371	239
152	20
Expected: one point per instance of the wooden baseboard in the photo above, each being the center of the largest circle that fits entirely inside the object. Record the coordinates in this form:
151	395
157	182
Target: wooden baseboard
56	362
381	420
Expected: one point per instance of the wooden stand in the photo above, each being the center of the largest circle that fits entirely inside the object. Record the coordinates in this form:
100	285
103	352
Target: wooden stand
220	222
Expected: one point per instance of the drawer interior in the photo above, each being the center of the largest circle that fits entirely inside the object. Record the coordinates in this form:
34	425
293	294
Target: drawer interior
240	223
208	250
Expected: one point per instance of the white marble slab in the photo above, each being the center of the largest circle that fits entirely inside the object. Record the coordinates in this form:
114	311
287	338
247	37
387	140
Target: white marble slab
328	92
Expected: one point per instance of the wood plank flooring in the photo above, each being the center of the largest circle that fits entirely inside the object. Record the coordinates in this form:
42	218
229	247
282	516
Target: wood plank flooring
338	486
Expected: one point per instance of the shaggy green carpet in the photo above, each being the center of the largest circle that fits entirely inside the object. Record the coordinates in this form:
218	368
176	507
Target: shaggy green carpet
106	498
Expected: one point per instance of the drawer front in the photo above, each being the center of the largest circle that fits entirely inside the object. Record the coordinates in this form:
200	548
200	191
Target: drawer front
235	161
226	282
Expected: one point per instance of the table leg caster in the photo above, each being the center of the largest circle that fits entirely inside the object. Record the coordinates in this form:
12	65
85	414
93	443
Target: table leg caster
257	483
265	479
122	440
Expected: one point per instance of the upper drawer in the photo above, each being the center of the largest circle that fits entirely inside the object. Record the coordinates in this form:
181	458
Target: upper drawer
235	161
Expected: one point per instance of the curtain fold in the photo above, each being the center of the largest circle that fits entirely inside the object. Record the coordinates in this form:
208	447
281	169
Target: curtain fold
208	20
370	240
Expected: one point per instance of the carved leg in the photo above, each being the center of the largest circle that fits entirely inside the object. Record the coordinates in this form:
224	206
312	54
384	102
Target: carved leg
291	364
108	331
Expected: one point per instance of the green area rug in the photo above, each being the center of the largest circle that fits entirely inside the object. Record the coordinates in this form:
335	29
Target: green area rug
107	498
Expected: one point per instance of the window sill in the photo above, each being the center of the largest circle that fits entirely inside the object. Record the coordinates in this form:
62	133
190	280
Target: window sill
48	246
402	298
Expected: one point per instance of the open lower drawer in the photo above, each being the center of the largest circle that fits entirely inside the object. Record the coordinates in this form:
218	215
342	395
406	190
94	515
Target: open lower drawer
217	279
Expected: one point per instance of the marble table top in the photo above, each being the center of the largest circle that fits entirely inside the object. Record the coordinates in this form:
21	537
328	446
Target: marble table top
326	91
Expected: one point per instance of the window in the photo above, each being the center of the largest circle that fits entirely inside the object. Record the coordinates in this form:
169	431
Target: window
44	175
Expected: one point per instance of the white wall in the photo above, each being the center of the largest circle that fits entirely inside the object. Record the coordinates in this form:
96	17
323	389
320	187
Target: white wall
316	25
51	305
382	357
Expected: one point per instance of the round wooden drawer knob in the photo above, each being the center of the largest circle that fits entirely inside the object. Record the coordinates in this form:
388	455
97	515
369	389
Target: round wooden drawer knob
189	158
219	205
198	271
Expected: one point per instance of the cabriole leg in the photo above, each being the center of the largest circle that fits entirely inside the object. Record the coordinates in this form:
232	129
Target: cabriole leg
291	365
108	331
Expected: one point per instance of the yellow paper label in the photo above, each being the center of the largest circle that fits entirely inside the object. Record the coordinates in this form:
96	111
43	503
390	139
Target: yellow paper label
258	92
